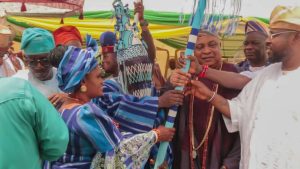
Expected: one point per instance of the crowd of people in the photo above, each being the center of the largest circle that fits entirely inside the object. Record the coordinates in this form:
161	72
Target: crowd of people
60	108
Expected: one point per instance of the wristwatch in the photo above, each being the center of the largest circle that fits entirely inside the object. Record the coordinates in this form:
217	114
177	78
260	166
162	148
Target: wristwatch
144	23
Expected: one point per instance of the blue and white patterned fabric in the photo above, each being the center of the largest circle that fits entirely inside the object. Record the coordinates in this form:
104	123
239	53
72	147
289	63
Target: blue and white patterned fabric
132	153
136	115
92	131
145	114
91	44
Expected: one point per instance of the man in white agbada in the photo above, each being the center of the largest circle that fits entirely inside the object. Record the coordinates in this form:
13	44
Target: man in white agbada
8	67
266	113
37	44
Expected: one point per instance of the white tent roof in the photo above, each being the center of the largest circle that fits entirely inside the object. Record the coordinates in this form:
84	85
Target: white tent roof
16	7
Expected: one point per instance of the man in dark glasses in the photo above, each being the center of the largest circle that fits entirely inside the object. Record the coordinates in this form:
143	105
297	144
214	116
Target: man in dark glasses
37	44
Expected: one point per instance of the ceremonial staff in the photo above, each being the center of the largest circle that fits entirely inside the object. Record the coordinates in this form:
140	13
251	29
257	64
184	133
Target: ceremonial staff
196	24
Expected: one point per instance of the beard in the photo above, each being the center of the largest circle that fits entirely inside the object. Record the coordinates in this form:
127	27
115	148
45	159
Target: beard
275	58
278	55
44	75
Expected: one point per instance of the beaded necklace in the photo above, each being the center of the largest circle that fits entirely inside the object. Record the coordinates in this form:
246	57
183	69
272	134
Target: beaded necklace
204	140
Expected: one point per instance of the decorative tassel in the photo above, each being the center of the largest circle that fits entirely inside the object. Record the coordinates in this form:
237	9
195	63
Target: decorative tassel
62	20
81	16
23	7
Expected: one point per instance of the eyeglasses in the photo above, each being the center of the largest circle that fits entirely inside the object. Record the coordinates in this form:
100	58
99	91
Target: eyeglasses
273	35
35	62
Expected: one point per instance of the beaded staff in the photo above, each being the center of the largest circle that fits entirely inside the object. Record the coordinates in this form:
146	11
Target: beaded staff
135	67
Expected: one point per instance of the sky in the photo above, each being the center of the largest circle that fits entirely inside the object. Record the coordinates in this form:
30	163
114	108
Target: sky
259	8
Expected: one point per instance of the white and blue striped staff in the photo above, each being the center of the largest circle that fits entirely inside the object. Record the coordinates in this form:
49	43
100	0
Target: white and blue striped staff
196	24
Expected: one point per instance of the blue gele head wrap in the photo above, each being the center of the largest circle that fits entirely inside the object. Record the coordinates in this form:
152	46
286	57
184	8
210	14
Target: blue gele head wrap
74	66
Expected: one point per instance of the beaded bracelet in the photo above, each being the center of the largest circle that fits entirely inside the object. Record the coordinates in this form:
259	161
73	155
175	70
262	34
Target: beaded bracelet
212	97
203	72
157	134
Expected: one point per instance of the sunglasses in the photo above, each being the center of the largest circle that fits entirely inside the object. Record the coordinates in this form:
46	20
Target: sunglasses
35	62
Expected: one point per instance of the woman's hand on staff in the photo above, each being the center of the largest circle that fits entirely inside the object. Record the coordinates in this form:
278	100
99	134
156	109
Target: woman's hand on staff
170	98
165	134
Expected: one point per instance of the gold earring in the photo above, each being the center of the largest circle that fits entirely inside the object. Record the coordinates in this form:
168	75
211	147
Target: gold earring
83	88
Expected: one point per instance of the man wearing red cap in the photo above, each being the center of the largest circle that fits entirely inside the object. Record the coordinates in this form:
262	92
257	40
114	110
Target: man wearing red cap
68	36
109	60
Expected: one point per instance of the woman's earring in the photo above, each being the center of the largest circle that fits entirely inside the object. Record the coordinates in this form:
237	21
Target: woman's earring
83	88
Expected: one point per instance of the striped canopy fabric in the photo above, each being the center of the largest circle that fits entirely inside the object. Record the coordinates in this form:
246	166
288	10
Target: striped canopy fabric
62	4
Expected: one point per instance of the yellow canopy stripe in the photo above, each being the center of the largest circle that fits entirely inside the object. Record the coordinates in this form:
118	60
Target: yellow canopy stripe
95	27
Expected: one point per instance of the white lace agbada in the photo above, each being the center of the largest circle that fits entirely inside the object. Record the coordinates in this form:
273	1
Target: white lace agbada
267	115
